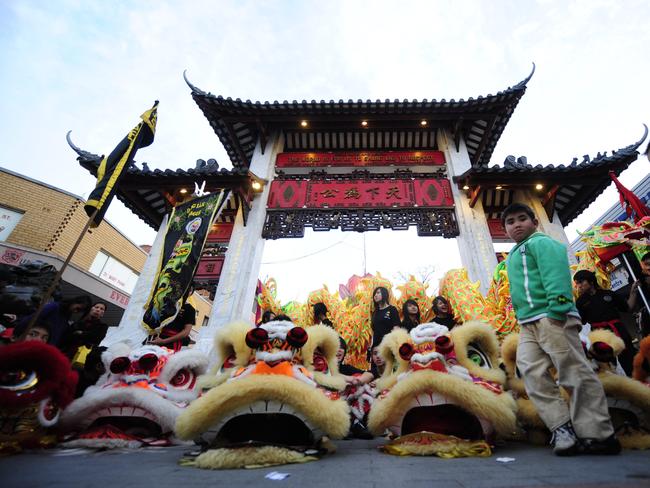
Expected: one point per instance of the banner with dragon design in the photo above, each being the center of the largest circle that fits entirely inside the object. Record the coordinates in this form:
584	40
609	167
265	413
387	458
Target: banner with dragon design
185	238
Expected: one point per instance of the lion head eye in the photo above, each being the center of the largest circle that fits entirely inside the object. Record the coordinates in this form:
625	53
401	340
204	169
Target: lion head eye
184	378
18	380
478	357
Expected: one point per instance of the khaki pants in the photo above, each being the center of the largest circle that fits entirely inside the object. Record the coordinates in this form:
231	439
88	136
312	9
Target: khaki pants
542	345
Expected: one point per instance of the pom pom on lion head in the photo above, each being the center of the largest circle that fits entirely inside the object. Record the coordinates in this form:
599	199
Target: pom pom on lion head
439	384
281	396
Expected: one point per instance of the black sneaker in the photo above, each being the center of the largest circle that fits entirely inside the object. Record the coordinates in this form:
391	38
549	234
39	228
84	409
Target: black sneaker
360	431
564	441
608	447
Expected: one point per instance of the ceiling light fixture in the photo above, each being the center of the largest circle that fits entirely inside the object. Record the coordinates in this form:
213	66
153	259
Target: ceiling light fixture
539	186
364	123
423	123
304	123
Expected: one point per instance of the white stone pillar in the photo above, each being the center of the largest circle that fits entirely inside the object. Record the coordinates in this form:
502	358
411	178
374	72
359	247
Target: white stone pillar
552	228
130	328
235	293
474	242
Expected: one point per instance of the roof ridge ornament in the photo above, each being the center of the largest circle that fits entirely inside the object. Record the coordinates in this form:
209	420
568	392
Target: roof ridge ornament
524	82
516	163
194	89
199	191
82	153
645	134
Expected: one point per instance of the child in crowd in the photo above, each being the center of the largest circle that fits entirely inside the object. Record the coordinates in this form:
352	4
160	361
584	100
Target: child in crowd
37	332
57	316
542	296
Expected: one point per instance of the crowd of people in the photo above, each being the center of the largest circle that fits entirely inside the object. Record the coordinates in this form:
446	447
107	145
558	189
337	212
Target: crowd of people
75	327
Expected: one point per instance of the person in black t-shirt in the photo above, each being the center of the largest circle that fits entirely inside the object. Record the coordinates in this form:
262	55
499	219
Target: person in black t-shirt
444	315
411	314
601	309
177	334
385	317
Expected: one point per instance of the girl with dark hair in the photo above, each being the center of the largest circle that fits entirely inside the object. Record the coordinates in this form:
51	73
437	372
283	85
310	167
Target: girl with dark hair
411	314
267	317
385	317
444	315
320	314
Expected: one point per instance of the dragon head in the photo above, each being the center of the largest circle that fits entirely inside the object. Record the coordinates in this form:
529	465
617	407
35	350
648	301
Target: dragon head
273	397
36	382
137	400
442	389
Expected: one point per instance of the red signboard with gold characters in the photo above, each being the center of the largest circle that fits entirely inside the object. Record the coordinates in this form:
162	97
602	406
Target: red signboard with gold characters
352	193
360	159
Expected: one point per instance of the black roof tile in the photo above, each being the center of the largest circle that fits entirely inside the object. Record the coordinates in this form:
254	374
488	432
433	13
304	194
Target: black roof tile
489	113
580	183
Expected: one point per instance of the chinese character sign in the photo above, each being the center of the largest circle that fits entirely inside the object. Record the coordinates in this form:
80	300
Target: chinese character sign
386	193
360	159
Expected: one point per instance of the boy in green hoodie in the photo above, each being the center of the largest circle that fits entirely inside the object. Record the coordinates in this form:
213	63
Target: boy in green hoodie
541	291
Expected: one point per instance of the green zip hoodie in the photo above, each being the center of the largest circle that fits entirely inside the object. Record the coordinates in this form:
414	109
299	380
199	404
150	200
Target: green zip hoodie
540	279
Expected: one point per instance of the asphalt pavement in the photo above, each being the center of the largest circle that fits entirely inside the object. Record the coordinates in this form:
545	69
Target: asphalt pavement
356	464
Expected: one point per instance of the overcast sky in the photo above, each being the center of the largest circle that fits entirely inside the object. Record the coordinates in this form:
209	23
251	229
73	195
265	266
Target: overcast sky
93	67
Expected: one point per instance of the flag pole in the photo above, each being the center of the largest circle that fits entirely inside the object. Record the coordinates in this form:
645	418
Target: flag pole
50	291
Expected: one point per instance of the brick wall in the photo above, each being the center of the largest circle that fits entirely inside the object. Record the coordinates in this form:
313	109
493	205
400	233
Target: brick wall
53	220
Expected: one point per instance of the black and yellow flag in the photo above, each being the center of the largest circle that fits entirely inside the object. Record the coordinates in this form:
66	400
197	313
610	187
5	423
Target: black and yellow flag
112	166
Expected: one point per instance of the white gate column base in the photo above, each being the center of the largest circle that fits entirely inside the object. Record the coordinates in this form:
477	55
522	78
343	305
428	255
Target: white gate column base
235	295
130	328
